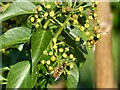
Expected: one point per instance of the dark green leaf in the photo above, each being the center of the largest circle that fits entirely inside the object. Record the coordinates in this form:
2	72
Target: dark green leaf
20	76
15	36
40	40
73	78
18	7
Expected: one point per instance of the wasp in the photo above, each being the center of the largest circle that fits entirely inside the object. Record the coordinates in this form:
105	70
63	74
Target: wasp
58	71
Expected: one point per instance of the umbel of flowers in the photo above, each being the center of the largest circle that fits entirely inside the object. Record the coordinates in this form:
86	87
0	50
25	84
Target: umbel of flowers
79	20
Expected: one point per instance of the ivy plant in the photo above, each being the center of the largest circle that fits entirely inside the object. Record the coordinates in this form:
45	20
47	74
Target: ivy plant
44	41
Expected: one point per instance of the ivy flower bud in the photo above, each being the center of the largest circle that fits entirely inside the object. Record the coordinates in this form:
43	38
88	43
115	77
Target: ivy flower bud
87	33
50	53
68	72
71	56
92	42
67	48
87	21
39	8
98	21
91	37
38	20
86	25
75	16
90	17
54	40
96	28
50	68
64	55
81	15
95	14
61	50
77	39
71	65
74	59
53	58
48	62
81	8
45	14
98	36
75	21
82	28
43	61
45	52
32	19
96	2
36	15
48	6
52	13
36	25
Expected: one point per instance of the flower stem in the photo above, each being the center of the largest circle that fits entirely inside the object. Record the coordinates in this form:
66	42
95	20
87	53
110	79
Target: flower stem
62	27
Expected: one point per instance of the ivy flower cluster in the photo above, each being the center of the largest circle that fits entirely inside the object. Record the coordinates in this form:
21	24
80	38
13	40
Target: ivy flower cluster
78	20
59	60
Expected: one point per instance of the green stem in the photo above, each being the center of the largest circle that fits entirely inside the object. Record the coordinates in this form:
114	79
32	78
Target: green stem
62	27
57	21
46	24
4	83
60	30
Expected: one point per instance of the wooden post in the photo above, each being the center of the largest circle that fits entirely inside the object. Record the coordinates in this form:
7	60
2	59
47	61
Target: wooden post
103	56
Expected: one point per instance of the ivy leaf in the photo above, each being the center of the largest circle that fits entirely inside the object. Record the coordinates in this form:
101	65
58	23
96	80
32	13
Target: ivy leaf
73	78
20	76
18	7
40	40
76	32
14	36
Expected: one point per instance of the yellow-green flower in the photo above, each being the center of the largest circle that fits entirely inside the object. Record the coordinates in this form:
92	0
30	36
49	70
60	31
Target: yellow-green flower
43	61
52	13
71	56
67	48
48	62
45	14
95	14
90	17
54	40
87	25
75	21
77	39
64	55
51	53
36	25
53	58
68	72
48	6
38	20
50	68
61	50
75	16
91	37
87	33
81	15
98	35
96	2
92	42
32	19
39	8
82	28
81	8
36	15
71	65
